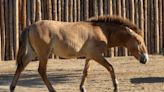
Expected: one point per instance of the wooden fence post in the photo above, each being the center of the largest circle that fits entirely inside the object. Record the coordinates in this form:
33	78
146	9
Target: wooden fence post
49	9
71	10
136	14
75	10
59	10
33	12
118	12
152	26
160	26
7	31
2	30
156	26
95	8
24	13
145	21
54	9
11	48
86	9
100	7
38	10
28	13
163	25
123	13
16	26
78	10
141	17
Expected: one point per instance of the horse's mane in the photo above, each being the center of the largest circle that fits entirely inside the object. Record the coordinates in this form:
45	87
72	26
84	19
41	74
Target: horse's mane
116	20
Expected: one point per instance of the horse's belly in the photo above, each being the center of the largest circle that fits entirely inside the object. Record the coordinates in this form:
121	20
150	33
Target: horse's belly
65	51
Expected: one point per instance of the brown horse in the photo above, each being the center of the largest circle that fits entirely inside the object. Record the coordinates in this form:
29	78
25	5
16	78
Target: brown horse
79	39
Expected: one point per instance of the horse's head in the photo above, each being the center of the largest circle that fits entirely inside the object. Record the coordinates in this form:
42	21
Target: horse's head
136	46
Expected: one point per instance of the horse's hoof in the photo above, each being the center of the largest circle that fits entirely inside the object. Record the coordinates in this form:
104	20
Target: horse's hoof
82	89
12	89
115	90
52	91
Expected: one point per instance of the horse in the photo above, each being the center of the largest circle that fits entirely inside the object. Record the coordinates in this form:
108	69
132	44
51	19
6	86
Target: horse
87	39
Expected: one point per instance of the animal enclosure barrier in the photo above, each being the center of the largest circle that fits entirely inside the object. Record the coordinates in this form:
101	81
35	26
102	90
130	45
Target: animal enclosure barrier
15	15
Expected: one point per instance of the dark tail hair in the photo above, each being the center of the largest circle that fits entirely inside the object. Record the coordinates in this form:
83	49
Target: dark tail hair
22	51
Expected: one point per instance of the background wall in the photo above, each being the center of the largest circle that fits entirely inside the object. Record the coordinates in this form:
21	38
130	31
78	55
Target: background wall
15	15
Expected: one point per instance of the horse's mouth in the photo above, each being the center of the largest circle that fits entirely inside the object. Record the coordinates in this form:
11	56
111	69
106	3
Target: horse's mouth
144	58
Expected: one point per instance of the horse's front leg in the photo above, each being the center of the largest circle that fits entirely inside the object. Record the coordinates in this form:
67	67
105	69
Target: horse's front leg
101	60
42	71
85	74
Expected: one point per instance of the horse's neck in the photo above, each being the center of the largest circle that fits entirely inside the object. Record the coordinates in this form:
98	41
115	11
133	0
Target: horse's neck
116	40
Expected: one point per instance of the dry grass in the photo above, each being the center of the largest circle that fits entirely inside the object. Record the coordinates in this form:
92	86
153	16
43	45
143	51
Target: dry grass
65	75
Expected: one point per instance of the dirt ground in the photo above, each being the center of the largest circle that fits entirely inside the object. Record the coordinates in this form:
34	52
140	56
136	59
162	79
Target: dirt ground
65	75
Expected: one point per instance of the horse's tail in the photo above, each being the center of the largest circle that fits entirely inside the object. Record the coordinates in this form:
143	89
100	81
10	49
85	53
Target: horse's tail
23	48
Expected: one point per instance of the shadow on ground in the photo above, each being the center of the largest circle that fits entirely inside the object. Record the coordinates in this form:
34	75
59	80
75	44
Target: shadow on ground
147	80
31	80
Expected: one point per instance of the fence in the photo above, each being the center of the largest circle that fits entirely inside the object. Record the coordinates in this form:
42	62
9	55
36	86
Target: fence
15	15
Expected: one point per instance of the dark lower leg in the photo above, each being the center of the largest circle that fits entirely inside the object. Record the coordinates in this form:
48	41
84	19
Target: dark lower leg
42	72
85	74
101	60
15	79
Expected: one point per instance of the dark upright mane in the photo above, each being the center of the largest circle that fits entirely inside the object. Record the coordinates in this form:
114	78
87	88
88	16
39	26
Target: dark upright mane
116	20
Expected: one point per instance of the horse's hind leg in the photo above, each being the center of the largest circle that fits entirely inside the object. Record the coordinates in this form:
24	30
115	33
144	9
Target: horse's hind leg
26	59
101	60
85	74
42	71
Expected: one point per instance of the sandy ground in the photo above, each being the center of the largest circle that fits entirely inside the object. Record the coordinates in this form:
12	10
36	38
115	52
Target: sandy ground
65	75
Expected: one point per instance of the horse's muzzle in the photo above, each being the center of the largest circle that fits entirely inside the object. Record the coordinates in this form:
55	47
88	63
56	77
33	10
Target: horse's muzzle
144	58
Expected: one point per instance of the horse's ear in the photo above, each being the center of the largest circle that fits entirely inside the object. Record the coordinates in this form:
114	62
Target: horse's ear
134	35
130	31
